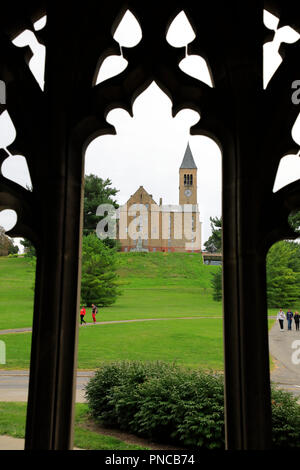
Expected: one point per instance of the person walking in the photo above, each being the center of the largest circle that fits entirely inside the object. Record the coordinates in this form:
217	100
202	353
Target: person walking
289	317
82	314
280	318
94	312
296	320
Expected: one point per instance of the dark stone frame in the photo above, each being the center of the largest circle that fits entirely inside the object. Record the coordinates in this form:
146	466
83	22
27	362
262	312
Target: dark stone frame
252	127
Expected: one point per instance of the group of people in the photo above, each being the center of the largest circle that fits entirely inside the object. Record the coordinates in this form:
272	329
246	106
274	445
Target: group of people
83	313
289	316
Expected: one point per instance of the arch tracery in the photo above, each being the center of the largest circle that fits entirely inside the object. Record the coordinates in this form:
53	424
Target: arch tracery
54	126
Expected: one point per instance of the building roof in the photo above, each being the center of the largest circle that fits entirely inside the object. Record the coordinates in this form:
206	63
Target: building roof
188	160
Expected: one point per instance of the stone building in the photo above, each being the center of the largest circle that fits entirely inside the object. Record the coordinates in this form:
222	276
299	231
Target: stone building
145	225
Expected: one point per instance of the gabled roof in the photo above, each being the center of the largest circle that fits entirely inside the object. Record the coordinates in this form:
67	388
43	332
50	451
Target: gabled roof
142	190
188	160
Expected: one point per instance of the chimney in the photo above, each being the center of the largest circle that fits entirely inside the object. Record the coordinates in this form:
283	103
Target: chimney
160	201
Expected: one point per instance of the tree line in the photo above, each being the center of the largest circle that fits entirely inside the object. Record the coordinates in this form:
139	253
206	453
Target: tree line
282	266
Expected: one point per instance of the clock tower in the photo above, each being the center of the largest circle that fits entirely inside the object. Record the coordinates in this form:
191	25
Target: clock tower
188	179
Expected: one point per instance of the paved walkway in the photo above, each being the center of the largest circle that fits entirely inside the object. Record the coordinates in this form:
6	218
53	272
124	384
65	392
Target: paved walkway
14	385
285	350
109	322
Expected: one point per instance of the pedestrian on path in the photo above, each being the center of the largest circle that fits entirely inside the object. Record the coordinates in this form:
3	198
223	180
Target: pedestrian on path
280	318
296	320
289	317
82	314
94	312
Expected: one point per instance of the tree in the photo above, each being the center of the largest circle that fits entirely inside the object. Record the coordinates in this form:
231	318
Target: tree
29	249
283	274
7	246
99	277
216	283
214	242
294	220
96	191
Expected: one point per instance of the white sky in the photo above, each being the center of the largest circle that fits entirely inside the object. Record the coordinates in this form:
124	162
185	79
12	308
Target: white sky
148	148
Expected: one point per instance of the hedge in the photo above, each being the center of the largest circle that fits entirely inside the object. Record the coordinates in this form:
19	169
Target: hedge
169	404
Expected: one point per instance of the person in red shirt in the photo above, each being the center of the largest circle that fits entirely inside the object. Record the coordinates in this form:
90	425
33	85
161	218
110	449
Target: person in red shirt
94	312
82	313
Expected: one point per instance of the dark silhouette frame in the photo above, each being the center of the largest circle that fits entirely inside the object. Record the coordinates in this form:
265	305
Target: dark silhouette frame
252	126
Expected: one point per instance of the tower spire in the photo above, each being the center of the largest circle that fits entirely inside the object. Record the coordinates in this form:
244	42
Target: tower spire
188	161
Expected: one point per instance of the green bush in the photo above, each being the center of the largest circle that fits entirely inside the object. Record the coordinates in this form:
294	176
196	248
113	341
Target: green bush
285	420
160	401
170	404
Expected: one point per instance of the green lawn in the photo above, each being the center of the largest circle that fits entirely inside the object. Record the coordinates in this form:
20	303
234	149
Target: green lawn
16	292
12	423
191	343
157	286
194	343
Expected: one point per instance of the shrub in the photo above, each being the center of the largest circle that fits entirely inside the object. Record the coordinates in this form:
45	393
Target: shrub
167	403
285	420
160	401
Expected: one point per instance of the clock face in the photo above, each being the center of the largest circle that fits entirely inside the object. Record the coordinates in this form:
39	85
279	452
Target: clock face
188	192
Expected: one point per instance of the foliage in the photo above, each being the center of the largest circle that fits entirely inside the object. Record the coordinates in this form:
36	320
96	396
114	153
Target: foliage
98	280
29	249
283	274
7	246
285	420
294	221
96	191
214	242
160	401
216	283
170	404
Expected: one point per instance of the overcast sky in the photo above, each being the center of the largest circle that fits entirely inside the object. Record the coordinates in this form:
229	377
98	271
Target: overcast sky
148	148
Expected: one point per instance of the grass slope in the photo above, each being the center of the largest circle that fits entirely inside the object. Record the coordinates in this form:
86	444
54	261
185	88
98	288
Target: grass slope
154	285
16	292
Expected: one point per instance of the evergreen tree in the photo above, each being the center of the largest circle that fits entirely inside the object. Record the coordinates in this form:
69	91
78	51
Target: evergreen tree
216	284
99	277
96	191
214	242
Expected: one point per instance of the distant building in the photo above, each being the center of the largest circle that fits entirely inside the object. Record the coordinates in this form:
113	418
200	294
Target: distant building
144	225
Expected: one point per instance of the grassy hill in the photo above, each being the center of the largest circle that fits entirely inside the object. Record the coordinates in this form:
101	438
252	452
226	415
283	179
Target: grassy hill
153	285
161	269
